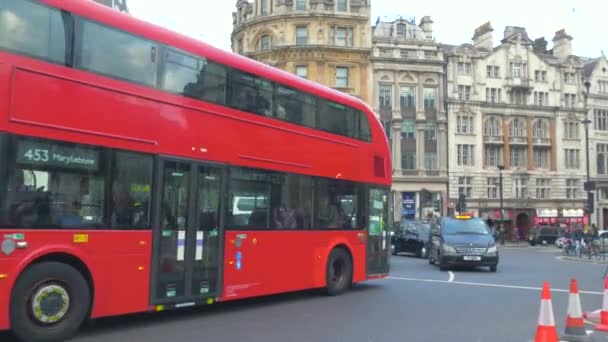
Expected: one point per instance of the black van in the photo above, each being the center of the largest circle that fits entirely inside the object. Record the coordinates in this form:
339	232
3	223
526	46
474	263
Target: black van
462	240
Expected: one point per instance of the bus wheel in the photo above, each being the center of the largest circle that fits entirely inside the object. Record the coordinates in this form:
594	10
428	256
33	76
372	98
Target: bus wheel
49	302
339	272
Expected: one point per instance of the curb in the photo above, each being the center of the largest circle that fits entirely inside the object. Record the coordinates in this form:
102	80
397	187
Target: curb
584	260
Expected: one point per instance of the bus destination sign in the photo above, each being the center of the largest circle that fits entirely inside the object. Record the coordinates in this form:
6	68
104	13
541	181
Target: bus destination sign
46	154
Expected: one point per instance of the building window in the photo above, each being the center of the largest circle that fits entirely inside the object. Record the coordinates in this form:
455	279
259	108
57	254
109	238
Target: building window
517	128
430	98
540	75
540	129
521	188
602	87
493	186
264	43
570	129
407	97
464	93
342	77
342	6
602	159
519	97
493	71
571	188
570	100
572	159
408	161
430	161
569	77
386	96
519	157
541	98
601	120
430	130
493	156
302	71
341	36
543	188
264	7
301	35
465	155
464	68
541	158
301	5
518	70
493	95
603	193
464	124
465	186
408	129
401	29
492	127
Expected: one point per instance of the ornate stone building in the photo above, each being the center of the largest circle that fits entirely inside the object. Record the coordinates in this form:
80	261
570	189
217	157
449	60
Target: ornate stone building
517	105
596	72
408	88
327	41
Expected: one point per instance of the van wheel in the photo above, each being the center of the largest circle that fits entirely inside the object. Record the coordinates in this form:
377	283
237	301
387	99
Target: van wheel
49	302
339	273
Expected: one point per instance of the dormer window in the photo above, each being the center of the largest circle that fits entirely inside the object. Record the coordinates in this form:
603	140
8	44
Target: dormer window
401	30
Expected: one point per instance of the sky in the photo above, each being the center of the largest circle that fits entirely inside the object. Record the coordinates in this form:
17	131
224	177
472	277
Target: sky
454	21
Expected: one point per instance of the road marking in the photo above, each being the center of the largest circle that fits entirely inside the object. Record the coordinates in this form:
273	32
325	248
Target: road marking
451	279
490	285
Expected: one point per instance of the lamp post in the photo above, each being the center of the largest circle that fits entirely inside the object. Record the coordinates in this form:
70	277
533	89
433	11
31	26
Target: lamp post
502	218
586	122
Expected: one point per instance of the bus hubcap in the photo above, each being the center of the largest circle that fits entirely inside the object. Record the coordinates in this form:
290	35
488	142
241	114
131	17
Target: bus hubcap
50	304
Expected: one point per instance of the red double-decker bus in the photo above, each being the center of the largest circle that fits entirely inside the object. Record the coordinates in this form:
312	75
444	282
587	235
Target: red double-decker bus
142	170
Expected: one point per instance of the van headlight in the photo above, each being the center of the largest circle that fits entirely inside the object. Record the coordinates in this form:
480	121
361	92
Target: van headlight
492	250
447	249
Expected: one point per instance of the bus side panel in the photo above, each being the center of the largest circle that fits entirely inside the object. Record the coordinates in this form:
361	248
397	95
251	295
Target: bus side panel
268	262
5	93
118	262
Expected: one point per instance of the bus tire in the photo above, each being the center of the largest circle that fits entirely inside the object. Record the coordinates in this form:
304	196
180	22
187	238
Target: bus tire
339	273
49	302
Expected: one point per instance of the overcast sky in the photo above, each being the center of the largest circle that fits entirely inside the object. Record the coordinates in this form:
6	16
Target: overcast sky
585	20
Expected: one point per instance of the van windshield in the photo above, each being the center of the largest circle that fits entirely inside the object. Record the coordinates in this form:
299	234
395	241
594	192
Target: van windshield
472	226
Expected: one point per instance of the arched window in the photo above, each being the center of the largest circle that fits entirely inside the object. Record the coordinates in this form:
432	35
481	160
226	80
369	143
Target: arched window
264	43
540	129
492	127
517	128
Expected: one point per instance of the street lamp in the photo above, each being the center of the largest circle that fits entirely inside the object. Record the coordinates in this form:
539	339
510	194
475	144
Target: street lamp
502	218
586	122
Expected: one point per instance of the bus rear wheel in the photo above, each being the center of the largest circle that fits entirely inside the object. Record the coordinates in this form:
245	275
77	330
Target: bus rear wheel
49	302
339	272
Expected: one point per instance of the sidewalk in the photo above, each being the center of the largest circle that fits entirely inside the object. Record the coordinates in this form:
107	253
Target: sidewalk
585	258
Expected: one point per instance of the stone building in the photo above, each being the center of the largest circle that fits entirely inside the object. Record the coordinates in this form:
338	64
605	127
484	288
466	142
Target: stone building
408	90
327	41
517	105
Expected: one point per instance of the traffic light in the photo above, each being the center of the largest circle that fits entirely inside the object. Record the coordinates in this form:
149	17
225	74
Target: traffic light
590	206
462	203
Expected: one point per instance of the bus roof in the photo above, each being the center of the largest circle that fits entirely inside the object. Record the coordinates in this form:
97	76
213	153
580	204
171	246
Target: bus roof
111	17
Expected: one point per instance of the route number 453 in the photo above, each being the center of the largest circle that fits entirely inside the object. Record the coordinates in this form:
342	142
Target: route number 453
37	155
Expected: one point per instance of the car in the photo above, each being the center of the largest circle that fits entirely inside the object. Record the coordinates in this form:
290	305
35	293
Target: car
462	240
412	237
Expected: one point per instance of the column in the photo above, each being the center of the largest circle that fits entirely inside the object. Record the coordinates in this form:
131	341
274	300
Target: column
553	135
396	132
420	145
530	141
506	145
442	136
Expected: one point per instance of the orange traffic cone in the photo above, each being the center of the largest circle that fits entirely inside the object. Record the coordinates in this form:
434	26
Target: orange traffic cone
575	325
546	331
603	326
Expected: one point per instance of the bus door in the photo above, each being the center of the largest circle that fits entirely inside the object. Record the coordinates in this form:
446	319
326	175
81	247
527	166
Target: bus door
378	243
187	233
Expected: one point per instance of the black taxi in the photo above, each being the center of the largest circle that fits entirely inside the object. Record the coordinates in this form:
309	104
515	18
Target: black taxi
462	240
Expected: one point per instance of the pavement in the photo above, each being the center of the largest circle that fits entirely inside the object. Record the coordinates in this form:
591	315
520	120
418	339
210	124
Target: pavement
418	302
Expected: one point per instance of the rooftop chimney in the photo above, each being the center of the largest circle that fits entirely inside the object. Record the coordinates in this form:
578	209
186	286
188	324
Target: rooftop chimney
540	45
426	24
482	39
562	44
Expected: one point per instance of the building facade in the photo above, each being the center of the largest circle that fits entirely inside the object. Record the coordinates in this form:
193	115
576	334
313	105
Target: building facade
326	41
408	89
518	106
596	73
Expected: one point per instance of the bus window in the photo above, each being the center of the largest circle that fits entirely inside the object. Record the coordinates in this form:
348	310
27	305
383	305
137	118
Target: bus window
250	93
32	29
181	73
291	202
363	130
117	54
295	106
336	204
131	191
331	117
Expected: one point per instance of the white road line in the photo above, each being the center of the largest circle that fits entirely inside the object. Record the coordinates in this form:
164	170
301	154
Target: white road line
490	285
451	279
